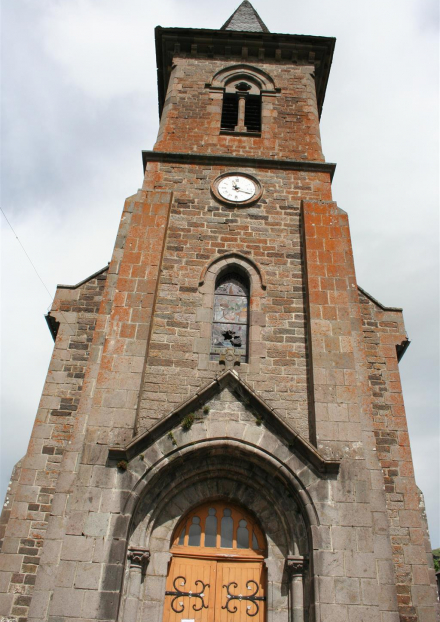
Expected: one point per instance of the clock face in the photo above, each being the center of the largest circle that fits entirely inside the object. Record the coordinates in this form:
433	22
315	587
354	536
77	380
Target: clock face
236	188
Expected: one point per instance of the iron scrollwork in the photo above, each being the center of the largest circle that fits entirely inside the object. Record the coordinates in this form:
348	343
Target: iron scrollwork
253	598
178	593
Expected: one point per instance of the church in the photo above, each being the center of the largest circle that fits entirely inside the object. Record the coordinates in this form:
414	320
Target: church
221	436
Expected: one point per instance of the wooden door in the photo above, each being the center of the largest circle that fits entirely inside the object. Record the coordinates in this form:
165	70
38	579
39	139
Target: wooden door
190	591
203	590
240	592
217	569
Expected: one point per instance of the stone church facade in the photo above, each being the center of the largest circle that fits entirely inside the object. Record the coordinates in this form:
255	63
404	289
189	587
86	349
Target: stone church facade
221	435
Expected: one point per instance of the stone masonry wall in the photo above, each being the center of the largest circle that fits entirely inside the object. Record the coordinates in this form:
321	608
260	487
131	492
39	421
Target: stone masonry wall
191	115
413	565
201	229
28	503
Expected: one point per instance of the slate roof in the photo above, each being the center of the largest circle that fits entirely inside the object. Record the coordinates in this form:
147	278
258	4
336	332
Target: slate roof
245	18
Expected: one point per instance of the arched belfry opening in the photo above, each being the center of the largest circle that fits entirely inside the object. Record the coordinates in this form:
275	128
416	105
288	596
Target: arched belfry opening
244	89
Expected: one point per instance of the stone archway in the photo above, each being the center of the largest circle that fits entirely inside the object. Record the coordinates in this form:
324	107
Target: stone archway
238	476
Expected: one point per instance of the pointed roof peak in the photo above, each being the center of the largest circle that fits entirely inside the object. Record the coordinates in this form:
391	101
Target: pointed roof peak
245	18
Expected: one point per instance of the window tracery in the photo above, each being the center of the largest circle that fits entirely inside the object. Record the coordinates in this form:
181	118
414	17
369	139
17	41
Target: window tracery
219	525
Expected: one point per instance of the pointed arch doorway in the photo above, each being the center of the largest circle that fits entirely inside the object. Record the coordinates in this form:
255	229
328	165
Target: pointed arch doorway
217	571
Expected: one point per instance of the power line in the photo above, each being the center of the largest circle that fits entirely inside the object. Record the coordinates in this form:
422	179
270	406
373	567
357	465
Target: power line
24	250
32	264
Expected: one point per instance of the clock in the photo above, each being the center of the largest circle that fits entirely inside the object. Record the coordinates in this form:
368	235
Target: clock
237	189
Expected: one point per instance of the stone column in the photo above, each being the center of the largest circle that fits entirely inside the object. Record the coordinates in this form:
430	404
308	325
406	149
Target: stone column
295	567
138	558
240	127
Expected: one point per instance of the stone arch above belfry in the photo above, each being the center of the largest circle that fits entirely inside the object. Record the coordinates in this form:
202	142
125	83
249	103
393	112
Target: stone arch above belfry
260	79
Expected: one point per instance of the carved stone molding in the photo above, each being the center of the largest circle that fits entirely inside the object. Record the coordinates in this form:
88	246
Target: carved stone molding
295	565
138	558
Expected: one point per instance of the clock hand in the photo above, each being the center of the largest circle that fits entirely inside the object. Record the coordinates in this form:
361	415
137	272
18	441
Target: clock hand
245	191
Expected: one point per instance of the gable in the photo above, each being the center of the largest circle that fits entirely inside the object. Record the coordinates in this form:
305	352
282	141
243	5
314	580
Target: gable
223	409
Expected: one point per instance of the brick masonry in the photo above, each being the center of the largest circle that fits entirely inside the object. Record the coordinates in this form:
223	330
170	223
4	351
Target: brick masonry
192	112
309	434
29	498
383	331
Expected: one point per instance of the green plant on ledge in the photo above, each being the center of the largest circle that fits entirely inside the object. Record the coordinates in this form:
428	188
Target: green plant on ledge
122	465
170	435
206	410
258	421
187	422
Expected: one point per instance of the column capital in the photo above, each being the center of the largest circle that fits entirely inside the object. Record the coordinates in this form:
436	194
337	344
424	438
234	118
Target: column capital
295	565
138	557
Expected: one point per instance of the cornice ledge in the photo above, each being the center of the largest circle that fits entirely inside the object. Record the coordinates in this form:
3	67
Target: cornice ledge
244	161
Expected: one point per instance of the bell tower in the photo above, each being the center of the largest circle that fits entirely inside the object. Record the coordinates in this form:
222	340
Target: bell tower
222	434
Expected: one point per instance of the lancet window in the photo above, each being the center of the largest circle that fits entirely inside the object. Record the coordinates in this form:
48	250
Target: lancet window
230	326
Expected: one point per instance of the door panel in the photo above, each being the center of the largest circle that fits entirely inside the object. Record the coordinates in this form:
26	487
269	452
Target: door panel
228	591
240	585
182	579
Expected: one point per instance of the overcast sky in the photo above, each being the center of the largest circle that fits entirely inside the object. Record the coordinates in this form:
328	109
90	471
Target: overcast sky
79	103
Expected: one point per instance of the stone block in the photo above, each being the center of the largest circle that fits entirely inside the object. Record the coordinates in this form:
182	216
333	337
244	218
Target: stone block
388	598
369	592
103	477
334	613
357	515
5	578
6	604
427	614
65	574
343	538
77	548
361	565
359	613
151	611
17	528
39	605
330	564
75	523
385	570
96	525
9	562
414	554
67	602
46	576
423	595
365	539
326	586
87	576
10	545
90	609
51	552
112	577
347	591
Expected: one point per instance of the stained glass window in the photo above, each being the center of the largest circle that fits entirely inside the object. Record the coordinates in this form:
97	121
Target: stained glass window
230	321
